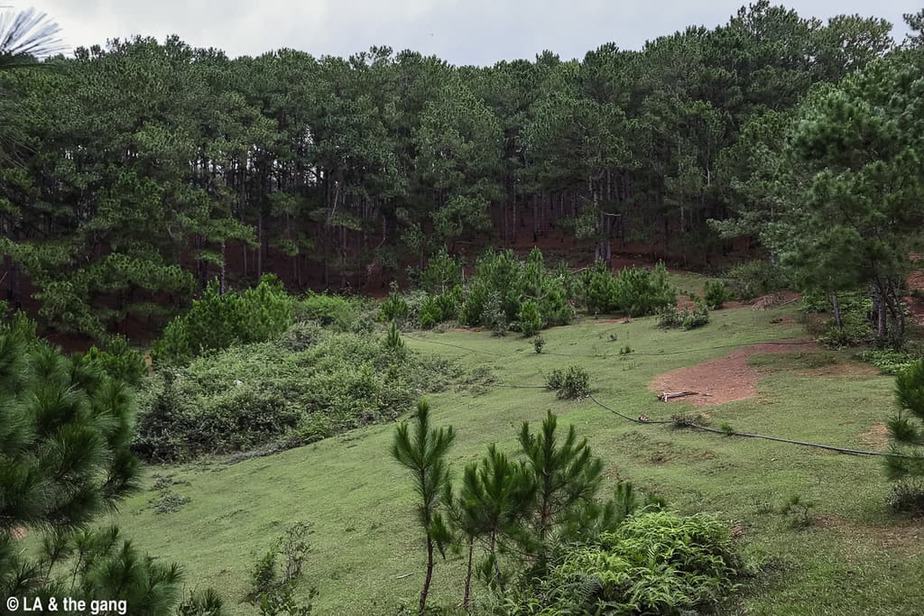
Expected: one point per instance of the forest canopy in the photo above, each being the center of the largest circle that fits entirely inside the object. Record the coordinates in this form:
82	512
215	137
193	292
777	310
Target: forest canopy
134	173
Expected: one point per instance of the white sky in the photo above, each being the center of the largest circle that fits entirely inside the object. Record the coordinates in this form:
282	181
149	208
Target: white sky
460	31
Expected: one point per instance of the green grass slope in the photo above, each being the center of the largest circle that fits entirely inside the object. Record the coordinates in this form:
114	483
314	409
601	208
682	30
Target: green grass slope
367	559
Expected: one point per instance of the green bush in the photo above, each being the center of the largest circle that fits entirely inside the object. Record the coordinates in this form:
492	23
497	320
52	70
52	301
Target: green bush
655	563
217	321
501	284
855	330
890	361
394	308
334	311
442	273
308	384
715	294
633	291
117	360
529	319
570	384
754	278
697	316
440	307
689	318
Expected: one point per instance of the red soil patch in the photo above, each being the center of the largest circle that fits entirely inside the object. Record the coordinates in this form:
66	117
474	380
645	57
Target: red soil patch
725	379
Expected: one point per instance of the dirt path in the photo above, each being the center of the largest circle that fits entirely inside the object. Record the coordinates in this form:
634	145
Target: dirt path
725	379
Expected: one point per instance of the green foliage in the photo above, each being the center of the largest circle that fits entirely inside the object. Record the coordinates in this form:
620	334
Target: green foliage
755	278
501	285
393	342
217	321
118	360
275	575
798	511
65	432
442	273
570	384
309	384
529	319
654	563
538	344
633	291
906	496
906	429
201	603
715	294
687	318
394	307
440	307
565	472
890	361
423	454
340	313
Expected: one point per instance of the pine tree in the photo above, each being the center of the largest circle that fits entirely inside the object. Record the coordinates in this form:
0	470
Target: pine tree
495	497
423	453
565	472
65	433
907	428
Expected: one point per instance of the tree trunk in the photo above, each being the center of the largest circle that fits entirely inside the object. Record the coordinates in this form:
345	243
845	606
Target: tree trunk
425	591
467	597
836	307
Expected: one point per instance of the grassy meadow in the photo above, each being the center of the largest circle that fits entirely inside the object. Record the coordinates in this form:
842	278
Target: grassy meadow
854	558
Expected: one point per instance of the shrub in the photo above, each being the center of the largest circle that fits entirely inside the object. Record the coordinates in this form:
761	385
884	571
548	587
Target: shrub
855	330
656	562
798	511
690	318
308	384
500	286
442	273
202	603
393	342
633	291
698	316
538	344
529	319
889	361
439	308
570	384
333	311
753	278
217	321
394	307
715	294
117	360
276	574
907	496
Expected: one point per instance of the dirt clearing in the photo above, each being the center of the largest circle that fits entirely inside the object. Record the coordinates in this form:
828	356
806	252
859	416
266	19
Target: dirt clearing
725	379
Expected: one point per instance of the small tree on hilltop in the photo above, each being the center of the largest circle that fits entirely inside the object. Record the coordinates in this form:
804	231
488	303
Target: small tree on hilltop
423	453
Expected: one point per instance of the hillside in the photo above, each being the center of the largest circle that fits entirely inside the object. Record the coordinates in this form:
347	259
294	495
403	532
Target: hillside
851	558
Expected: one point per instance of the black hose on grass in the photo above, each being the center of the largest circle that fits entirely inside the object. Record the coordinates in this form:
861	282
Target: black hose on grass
691	425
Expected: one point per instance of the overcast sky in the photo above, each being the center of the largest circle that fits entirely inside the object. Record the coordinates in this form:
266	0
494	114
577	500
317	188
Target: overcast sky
461	31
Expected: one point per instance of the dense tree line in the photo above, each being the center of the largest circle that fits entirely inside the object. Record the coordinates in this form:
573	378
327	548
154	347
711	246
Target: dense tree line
134	173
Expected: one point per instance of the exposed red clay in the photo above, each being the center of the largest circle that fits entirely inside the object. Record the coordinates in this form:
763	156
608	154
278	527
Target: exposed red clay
725	379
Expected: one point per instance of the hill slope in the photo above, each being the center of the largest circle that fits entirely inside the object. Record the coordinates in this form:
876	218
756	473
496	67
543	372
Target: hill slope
367	556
